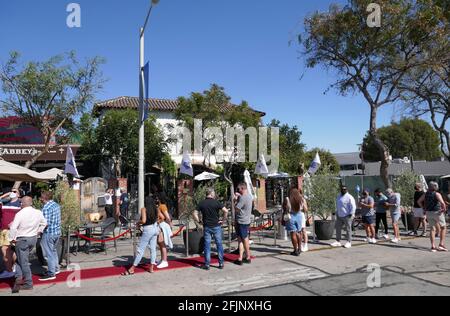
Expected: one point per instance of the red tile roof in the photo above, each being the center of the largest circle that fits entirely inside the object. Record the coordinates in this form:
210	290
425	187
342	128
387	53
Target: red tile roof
163	105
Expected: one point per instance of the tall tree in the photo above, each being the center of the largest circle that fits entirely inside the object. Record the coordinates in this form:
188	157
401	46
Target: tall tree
369	61
291	148
116	140
214	108
409	137
427	86
50	95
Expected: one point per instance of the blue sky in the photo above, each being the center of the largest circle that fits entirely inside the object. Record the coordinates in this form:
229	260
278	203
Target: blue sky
243	45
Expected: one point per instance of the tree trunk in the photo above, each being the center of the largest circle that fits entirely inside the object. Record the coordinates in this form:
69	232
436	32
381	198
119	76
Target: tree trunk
30	163
384	151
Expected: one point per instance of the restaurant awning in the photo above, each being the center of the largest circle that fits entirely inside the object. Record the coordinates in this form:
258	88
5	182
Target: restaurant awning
12	172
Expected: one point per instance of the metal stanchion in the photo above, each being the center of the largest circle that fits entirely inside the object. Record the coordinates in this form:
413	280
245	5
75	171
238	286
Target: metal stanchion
68	248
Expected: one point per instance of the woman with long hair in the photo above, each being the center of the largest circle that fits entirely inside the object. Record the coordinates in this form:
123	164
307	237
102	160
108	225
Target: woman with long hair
150	233
304	210
165	226
294	226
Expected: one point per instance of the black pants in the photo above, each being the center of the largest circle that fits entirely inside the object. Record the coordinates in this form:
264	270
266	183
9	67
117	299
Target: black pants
124	215
381	217
109	209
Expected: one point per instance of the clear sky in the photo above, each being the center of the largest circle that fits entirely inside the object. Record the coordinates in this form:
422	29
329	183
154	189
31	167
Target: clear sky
243	45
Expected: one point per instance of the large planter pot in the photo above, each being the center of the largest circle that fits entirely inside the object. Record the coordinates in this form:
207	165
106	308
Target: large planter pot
411	220
60	248
196	241
324	229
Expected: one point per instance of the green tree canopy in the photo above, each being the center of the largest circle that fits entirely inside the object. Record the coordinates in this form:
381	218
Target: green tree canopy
291	147
329	163
214	108
366	60
409	137
50	95
115	139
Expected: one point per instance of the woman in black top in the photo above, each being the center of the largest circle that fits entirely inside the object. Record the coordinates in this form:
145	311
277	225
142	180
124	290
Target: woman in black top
150	232
419	214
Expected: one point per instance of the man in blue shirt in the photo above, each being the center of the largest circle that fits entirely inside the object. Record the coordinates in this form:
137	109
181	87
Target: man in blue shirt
51	235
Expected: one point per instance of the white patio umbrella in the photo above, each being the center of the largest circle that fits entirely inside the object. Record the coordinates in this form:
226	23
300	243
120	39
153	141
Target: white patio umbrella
206	176
12	172
52	174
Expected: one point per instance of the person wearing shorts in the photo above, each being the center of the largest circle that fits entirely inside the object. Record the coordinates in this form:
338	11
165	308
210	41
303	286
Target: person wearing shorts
435	207
419	214
394	200
295	225
367	205
244	206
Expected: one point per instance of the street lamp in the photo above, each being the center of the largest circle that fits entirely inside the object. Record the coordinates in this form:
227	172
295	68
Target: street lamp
141	180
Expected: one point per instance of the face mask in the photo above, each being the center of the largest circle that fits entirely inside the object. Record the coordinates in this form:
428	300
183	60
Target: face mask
12	196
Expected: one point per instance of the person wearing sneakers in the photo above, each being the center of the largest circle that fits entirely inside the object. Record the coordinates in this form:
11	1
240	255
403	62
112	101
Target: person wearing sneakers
244	206
23	233
51	235
345	213
367	204
165	225
434	206
304	210
393	203
149	238
294	225
419	214
210	209
381	216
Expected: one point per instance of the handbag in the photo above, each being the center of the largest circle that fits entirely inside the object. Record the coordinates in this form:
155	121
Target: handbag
286	218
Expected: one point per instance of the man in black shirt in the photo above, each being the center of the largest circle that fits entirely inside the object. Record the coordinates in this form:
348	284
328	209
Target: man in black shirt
210	210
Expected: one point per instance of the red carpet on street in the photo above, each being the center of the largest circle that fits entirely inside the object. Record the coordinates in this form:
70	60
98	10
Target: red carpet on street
105	272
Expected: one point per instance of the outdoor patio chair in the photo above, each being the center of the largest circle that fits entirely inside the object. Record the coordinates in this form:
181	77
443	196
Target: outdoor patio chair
107	228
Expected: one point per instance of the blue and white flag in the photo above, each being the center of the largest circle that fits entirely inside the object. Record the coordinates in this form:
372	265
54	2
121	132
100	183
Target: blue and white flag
315	165
71	167
186	165
146	104
261	166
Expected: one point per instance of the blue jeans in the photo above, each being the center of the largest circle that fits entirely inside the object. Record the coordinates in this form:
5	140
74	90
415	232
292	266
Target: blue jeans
149	239
48	244
216	233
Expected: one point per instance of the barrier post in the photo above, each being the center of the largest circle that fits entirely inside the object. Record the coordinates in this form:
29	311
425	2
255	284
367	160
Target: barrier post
68	248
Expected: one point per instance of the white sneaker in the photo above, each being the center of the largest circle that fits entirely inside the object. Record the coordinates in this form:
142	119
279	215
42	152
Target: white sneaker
14	268
251	242
304	248
386	237
374	241
369	240
336	244
163	265
395	241
348	245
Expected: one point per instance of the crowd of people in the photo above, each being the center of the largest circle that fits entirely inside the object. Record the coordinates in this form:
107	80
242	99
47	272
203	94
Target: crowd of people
429	207
22	225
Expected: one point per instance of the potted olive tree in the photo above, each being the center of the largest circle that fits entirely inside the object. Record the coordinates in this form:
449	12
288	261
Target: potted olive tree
189	207
404	184
323	189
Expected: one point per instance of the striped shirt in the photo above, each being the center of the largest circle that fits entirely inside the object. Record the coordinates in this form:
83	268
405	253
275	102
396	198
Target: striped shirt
52	213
